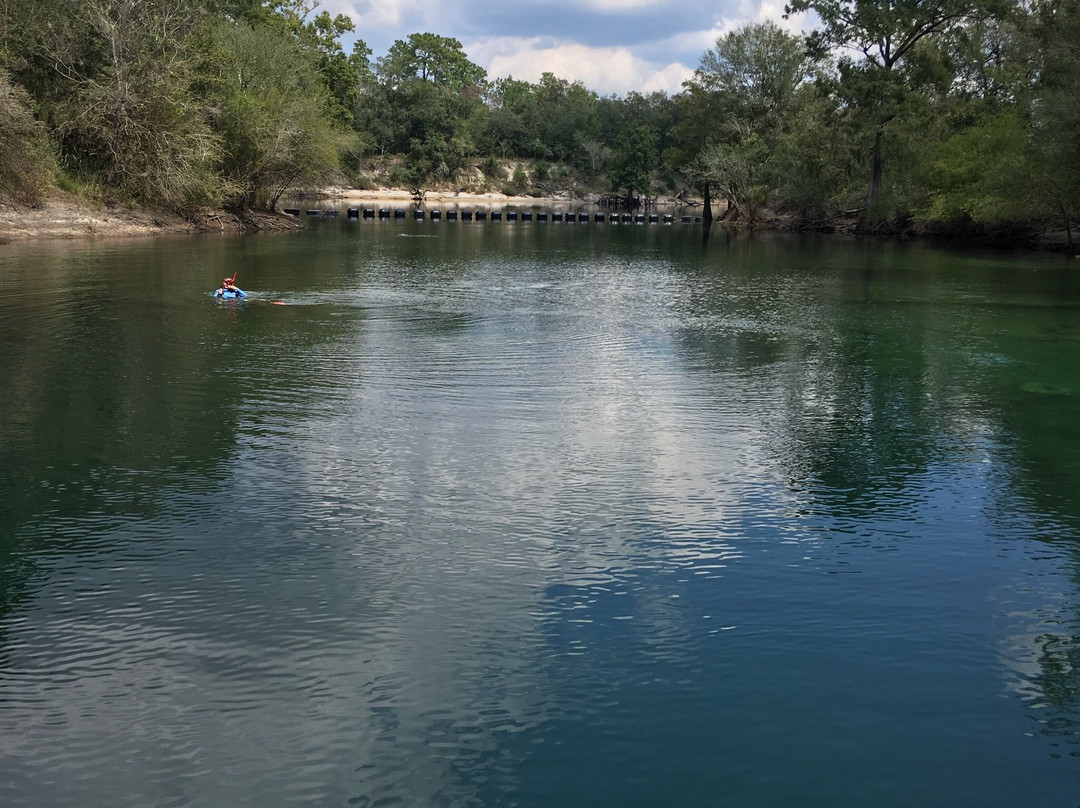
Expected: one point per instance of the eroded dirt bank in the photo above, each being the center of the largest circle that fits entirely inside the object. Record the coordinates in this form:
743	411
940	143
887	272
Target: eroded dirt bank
64	216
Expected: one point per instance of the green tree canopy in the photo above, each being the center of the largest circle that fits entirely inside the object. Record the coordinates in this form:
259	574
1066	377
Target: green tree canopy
634	159
884	78
273	113
433	58
754	72
430	91
129	113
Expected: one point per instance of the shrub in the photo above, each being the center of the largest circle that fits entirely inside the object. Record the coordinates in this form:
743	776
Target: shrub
26	165
518	184
491	169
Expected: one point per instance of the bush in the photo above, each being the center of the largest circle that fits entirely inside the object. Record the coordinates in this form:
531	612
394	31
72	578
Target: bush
26	165
491	169
518	184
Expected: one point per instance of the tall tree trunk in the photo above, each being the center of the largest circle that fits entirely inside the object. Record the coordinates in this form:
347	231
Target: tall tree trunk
706	213
877	162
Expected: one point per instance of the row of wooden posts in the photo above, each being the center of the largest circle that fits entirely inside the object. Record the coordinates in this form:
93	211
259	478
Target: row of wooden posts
499	215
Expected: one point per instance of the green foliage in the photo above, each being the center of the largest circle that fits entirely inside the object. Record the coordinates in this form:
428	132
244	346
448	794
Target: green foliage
431	58
423	104
634	160
980	174
491	169
564	111
544	121
132	116
1055	130
883	31
593	155
816	165
172	103
519	182
274	115
736	170
738	111
752	75
938	109
25	163
877	87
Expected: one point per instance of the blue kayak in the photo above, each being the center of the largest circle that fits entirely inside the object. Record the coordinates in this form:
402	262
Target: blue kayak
229	294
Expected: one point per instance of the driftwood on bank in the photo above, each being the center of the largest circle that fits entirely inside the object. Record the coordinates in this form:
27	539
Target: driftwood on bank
617	201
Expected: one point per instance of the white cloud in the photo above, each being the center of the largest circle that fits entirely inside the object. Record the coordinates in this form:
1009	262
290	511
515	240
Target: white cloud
605	70
366	16
668	79
611	46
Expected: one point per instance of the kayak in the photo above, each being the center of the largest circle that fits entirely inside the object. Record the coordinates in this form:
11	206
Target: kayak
229	294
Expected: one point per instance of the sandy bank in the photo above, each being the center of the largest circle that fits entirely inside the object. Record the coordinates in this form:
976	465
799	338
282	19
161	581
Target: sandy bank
65	216
401	197
68	217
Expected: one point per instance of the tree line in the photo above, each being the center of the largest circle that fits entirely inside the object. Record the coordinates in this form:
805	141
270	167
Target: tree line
952	114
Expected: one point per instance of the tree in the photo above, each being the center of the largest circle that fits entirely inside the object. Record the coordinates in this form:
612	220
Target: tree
432	58
512	120
273	112
131	114
754	72
981	173
592	153
634	159
887	34
735	169
1055	133
737	107
816	165
320	37
431	90
564	111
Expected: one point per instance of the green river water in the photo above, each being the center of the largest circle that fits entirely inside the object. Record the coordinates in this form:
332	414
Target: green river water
538	514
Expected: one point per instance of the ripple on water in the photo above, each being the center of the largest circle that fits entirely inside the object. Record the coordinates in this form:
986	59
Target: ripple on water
464	530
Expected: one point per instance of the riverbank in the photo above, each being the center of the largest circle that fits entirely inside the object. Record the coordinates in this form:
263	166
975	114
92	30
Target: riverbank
402	197
1004	236
65	216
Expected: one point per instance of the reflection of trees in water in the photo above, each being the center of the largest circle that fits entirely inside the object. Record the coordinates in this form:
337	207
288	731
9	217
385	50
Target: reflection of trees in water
1058	682
1043	661
856	394
115	395
1035	401
1046	659
870	392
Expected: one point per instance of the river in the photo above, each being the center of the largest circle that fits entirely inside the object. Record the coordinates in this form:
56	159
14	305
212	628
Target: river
538	514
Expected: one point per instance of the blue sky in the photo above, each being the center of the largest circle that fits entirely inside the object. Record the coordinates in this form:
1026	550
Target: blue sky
611	46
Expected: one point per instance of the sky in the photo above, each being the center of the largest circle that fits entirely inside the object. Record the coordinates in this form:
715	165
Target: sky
611	46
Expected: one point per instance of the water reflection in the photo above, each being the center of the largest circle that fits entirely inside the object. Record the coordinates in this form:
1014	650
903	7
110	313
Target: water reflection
535	516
